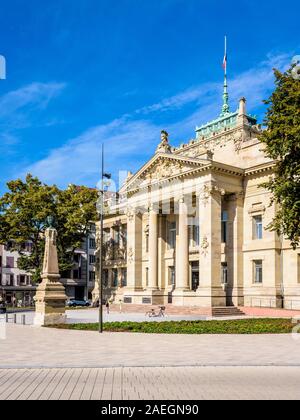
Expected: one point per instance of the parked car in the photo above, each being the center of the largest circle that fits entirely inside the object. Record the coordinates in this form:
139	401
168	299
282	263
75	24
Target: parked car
73	303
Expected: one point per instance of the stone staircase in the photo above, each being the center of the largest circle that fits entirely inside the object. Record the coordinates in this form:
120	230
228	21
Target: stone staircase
227	312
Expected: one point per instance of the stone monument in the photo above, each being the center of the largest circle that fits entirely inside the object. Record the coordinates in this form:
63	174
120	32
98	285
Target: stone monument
50	297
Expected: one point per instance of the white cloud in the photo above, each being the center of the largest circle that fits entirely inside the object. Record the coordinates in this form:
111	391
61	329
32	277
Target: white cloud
132	139
79	160
35	94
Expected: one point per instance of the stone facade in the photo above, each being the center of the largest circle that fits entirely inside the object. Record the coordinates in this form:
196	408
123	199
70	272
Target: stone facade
189	228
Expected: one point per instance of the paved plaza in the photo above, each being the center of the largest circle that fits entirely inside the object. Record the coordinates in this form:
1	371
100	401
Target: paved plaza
131	383
41	363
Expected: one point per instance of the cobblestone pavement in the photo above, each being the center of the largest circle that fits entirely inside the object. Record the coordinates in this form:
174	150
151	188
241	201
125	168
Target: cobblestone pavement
175	384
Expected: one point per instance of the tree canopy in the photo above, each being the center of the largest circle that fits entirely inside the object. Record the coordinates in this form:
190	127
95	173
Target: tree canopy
282	140
24	210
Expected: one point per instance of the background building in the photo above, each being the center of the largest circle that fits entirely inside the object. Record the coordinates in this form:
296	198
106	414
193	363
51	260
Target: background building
80	281
16	285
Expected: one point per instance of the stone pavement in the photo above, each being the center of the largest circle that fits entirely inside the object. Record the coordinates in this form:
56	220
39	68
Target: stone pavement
175	384
41	363
92	316
44	348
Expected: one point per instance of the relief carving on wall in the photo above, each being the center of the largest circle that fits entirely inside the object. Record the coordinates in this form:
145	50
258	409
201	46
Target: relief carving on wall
130	214
130	255
204	246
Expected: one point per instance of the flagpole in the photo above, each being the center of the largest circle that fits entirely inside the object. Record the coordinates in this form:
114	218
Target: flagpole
226	55
225	108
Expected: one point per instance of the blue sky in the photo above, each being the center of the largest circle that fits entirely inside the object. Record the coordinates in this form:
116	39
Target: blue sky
87	71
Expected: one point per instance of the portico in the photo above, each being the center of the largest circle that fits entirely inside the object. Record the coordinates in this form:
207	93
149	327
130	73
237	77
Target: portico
177	236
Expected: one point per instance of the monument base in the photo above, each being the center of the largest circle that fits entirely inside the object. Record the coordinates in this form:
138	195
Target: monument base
50	303
44	320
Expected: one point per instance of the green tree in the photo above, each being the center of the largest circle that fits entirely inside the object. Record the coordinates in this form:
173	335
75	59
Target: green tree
282	142
24	210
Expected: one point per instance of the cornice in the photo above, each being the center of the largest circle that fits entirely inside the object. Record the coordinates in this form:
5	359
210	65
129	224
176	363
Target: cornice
265	167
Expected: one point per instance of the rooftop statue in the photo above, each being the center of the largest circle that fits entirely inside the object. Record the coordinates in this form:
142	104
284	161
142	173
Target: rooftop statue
164	146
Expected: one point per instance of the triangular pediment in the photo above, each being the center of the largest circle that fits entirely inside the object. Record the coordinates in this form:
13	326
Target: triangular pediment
161	167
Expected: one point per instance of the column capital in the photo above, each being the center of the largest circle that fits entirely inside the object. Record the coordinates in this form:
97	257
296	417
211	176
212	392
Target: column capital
208	190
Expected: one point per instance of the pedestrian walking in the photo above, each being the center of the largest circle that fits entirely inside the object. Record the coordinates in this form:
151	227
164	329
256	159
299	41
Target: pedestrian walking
107	307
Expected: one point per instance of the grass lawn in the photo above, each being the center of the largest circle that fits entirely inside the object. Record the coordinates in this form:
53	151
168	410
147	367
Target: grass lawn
241	326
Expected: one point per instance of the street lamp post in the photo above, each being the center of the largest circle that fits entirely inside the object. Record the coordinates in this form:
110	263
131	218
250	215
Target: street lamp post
101	212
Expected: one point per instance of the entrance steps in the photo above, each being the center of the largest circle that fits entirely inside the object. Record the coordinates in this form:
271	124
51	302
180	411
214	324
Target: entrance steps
226	311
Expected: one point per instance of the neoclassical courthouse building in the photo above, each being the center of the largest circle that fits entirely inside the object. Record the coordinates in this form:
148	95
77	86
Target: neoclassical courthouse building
189	228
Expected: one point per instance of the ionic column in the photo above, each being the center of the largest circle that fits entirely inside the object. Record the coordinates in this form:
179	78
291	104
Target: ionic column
182	249
153	250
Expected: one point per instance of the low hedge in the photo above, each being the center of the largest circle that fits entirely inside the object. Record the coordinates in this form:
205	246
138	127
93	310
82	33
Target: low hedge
241	326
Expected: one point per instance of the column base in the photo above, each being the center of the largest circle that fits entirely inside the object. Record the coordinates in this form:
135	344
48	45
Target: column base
145	297
203	297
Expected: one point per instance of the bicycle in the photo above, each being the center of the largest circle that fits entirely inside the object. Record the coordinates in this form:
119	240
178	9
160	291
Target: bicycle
154	314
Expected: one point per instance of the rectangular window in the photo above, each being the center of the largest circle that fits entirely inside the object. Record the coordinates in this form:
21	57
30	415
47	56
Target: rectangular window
116	235
194	232
195	275
105	278
92	276
106	236
124	235
9	279
196	235
172	279
172	235
124	277
258	271
92	259
115	278
224	228
147	277
147	242
22	280
257	227
76	274
224	273
10	262
92	243
76	258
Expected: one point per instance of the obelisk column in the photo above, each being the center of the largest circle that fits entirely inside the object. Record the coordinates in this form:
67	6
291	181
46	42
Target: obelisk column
153	250
182	249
